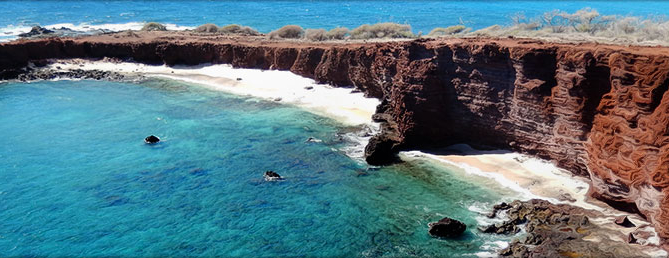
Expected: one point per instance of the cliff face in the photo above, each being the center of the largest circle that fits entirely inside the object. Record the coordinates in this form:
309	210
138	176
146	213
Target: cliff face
598	111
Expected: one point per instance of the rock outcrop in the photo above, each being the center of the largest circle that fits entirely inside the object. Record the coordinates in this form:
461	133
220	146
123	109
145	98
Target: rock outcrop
447	228
556	231
36	31
151	139
270	175
599	111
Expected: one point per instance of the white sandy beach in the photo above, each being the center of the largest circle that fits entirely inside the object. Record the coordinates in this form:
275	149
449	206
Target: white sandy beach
340	104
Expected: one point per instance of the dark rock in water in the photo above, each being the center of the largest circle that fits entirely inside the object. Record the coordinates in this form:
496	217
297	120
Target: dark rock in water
497	208
382	148
631	239
37	30
504	228
624	221
379	151
272	176
151	139
447	227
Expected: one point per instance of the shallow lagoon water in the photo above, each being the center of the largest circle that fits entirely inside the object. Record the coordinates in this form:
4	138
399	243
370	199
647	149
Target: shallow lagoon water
76	179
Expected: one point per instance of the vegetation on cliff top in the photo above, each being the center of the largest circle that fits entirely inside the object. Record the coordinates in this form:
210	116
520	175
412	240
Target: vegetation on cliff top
227	29
583	25
287	32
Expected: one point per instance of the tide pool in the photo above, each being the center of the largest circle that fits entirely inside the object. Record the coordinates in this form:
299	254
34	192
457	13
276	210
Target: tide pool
76	179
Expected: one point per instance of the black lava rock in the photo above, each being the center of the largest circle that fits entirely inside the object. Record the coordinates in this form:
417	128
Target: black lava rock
272	176
37	30
151	139
447	227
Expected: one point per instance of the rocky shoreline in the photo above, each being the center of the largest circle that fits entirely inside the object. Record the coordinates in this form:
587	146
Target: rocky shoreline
561	230
77	74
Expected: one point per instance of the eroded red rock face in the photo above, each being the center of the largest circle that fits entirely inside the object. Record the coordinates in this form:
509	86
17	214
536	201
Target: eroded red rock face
598	111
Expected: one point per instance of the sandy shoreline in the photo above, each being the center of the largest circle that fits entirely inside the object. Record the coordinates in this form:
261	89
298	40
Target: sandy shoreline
530	177
342	104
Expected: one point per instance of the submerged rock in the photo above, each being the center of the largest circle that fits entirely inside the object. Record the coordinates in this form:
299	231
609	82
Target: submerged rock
151	139
272	176
447	227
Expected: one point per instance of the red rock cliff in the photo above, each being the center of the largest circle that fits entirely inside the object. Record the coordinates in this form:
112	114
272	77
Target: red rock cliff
598	111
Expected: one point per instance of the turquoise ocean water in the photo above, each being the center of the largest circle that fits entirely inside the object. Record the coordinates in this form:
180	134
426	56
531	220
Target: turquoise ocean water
267	15
76	179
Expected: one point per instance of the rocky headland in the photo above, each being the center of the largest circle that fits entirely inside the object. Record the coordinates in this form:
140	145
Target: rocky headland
599	111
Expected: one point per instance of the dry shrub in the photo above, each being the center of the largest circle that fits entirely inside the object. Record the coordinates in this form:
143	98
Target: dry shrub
207	28
154	26
238	29
382	30
586	25
315	34
337	33
436	32
287	32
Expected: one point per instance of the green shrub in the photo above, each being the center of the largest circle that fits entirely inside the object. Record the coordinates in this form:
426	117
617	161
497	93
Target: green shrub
382	30
447	31
337	33
207	28
315	34
237	29
154	26
287	32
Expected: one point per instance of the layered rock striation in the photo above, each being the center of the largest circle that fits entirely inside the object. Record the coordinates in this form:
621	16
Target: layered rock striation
596	110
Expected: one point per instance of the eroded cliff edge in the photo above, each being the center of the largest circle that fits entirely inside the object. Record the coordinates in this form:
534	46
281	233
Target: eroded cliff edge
599	111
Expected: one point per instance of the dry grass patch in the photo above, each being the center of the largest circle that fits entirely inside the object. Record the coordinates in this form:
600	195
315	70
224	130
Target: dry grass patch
382	30
287	32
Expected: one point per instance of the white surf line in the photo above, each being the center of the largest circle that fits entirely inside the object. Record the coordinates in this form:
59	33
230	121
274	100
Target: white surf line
341	104
11	32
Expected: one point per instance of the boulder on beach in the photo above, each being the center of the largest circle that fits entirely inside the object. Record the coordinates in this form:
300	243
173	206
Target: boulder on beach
272	176
151	139
447	227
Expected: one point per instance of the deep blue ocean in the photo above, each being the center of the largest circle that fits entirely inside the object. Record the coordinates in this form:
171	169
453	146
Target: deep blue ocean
76	179
267	15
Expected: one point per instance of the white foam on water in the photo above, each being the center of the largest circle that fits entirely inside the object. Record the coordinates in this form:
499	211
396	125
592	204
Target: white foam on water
11	32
